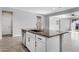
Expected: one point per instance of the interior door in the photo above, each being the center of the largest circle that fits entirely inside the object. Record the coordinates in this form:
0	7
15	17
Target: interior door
6	23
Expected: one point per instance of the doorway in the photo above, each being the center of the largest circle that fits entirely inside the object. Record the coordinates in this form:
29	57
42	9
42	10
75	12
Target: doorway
7	27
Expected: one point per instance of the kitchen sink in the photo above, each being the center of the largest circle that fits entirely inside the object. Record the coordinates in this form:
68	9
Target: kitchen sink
36	30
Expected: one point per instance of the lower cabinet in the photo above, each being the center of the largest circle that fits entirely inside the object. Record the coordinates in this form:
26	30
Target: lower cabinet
24	38
30	42
40	44
53	44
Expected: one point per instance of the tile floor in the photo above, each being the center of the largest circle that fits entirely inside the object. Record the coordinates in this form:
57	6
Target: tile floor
9	44
70	43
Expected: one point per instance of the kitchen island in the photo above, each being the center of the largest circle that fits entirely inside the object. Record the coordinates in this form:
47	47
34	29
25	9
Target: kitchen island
43	42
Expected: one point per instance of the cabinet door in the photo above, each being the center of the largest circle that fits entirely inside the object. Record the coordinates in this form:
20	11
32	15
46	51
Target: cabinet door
40	44
24	38
30	42
65	24
40	47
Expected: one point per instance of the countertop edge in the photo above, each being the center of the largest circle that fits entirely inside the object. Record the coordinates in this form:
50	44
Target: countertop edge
61	33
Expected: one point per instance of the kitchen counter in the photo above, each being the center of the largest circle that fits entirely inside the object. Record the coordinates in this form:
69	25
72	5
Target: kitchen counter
45	33
52	45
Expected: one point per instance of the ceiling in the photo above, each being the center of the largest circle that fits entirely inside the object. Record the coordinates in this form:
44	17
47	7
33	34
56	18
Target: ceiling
42	10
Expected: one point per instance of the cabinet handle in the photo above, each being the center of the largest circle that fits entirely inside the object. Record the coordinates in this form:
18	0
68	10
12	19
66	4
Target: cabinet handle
39	38
35	44
29	39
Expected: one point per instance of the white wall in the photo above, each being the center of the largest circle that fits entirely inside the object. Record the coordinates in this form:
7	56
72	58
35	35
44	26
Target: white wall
21	20
0	26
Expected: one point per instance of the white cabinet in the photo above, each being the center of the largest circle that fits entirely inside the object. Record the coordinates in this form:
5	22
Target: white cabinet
30	41
32	44
24	37
35	42
53	23
53	44
65	24
40	43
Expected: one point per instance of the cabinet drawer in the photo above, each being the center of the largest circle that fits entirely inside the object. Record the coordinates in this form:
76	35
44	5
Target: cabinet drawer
30	34
40	39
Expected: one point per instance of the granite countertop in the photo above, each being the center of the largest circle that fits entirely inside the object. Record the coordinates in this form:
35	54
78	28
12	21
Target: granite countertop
45	34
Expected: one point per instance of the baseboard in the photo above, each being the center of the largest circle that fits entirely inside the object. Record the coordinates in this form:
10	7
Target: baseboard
7	35
1	38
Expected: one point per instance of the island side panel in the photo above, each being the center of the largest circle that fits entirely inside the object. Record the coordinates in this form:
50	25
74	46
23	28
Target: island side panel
53	44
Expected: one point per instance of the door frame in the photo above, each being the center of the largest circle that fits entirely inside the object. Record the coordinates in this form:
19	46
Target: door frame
4	11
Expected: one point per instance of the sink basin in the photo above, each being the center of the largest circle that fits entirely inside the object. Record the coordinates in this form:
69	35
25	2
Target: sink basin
36	30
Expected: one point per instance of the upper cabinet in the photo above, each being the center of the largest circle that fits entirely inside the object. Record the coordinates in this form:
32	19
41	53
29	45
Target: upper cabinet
59	23
54	23
65	16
